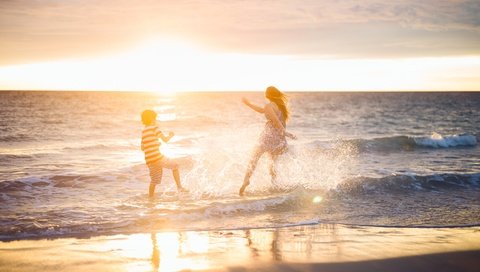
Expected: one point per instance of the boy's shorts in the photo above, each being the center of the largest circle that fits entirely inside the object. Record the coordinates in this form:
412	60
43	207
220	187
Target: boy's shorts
156	169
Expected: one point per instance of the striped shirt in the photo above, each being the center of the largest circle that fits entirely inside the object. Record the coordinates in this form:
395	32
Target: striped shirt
151	144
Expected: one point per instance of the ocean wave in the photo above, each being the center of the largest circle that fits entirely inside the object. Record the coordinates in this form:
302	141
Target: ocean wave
60	181
200	120
41	230
97	147
18	137
411	226
438	141
409	143
317	221
9	157
35	230
407	201
399	184
249	206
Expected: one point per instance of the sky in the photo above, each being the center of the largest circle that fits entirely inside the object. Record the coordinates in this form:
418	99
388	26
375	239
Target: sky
235	45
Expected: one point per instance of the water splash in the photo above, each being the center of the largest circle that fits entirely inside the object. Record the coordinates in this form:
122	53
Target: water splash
219	169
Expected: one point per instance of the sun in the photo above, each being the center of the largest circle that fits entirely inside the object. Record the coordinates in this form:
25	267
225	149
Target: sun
159	65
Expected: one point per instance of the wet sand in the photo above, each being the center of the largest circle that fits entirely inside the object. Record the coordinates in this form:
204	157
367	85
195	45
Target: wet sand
322	247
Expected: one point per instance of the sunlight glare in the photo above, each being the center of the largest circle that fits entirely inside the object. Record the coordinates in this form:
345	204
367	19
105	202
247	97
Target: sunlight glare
168	150
317	199
168	66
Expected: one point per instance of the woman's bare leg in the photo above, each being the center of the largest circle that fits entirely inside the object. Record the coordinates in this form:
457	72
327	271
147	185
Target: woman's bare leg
176	177
273	172
251	167
173	164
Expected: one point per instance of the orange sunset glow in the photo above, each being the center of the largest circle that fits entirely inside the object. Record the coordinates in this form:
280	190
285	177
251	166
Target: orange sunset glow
174	46
234	135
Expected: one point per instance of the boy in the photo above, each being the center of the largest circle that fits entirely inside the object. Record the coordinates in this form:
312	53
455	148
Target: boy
154	159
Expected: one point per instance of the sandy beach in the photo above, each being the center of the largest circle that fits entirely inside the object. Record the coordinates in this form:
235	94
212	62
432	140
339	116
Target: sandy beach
302	248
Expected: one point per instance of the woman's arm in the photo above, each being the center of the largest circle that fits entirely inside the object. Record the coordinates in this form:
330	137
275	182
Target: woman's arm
252	106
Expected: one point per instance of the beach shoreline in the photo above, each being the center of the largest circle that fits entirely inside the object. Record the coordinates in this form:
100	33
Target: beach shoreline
326	247
457	261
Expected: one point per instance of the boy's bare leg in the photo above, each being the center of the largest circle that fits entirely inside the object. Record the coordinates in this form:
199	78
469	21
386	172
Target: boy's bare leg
151	190
155	179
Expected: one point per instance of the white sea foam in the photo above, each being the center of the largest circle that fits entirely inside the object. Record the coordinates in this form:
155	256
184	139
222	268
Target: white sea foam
436	140
246	207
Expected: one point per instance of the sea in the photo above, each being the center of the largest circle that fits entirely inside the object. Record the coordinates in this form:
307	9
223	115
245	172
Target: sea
71	163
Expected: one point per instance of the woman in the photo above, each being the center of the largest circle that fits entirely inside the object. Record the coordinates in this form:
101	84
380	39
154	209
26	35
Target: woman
272	140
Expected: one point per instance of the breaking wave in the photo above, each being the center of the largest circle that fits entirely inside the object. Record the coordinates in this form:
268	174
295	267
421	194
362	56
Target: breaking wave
409	143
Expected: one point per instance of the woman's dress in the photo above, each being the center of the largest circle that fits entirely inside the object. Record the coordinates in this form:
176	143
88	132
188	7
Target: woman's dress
271	140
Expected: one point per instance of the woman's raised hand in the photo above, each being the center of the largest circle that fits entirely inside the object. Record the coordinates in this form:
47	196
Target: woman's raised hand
245	101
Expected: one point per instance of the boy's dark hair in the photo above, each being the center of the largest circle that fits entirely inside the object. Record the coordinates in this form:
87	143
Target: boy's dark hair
148	116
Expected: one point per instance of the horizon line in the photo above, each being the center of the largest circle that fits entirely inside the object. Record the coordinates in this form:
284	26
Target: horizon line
243	91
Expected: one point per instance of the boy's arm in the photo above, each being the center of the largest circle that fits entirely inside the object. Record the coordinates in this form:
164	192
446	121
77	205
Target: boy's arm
165	138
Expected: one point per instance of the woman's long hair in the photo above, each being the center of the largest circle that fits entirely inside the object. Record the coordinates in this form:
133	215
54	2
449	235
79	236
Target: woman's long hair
280	99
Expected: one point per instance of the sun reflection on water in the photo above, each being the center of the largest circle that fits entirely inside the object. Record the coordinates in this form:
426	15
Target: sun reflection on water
218	250
168	251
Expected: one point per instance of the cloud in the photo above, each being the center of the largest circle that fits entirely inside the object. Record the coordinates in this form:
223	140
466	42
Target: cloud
427	14
49	29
